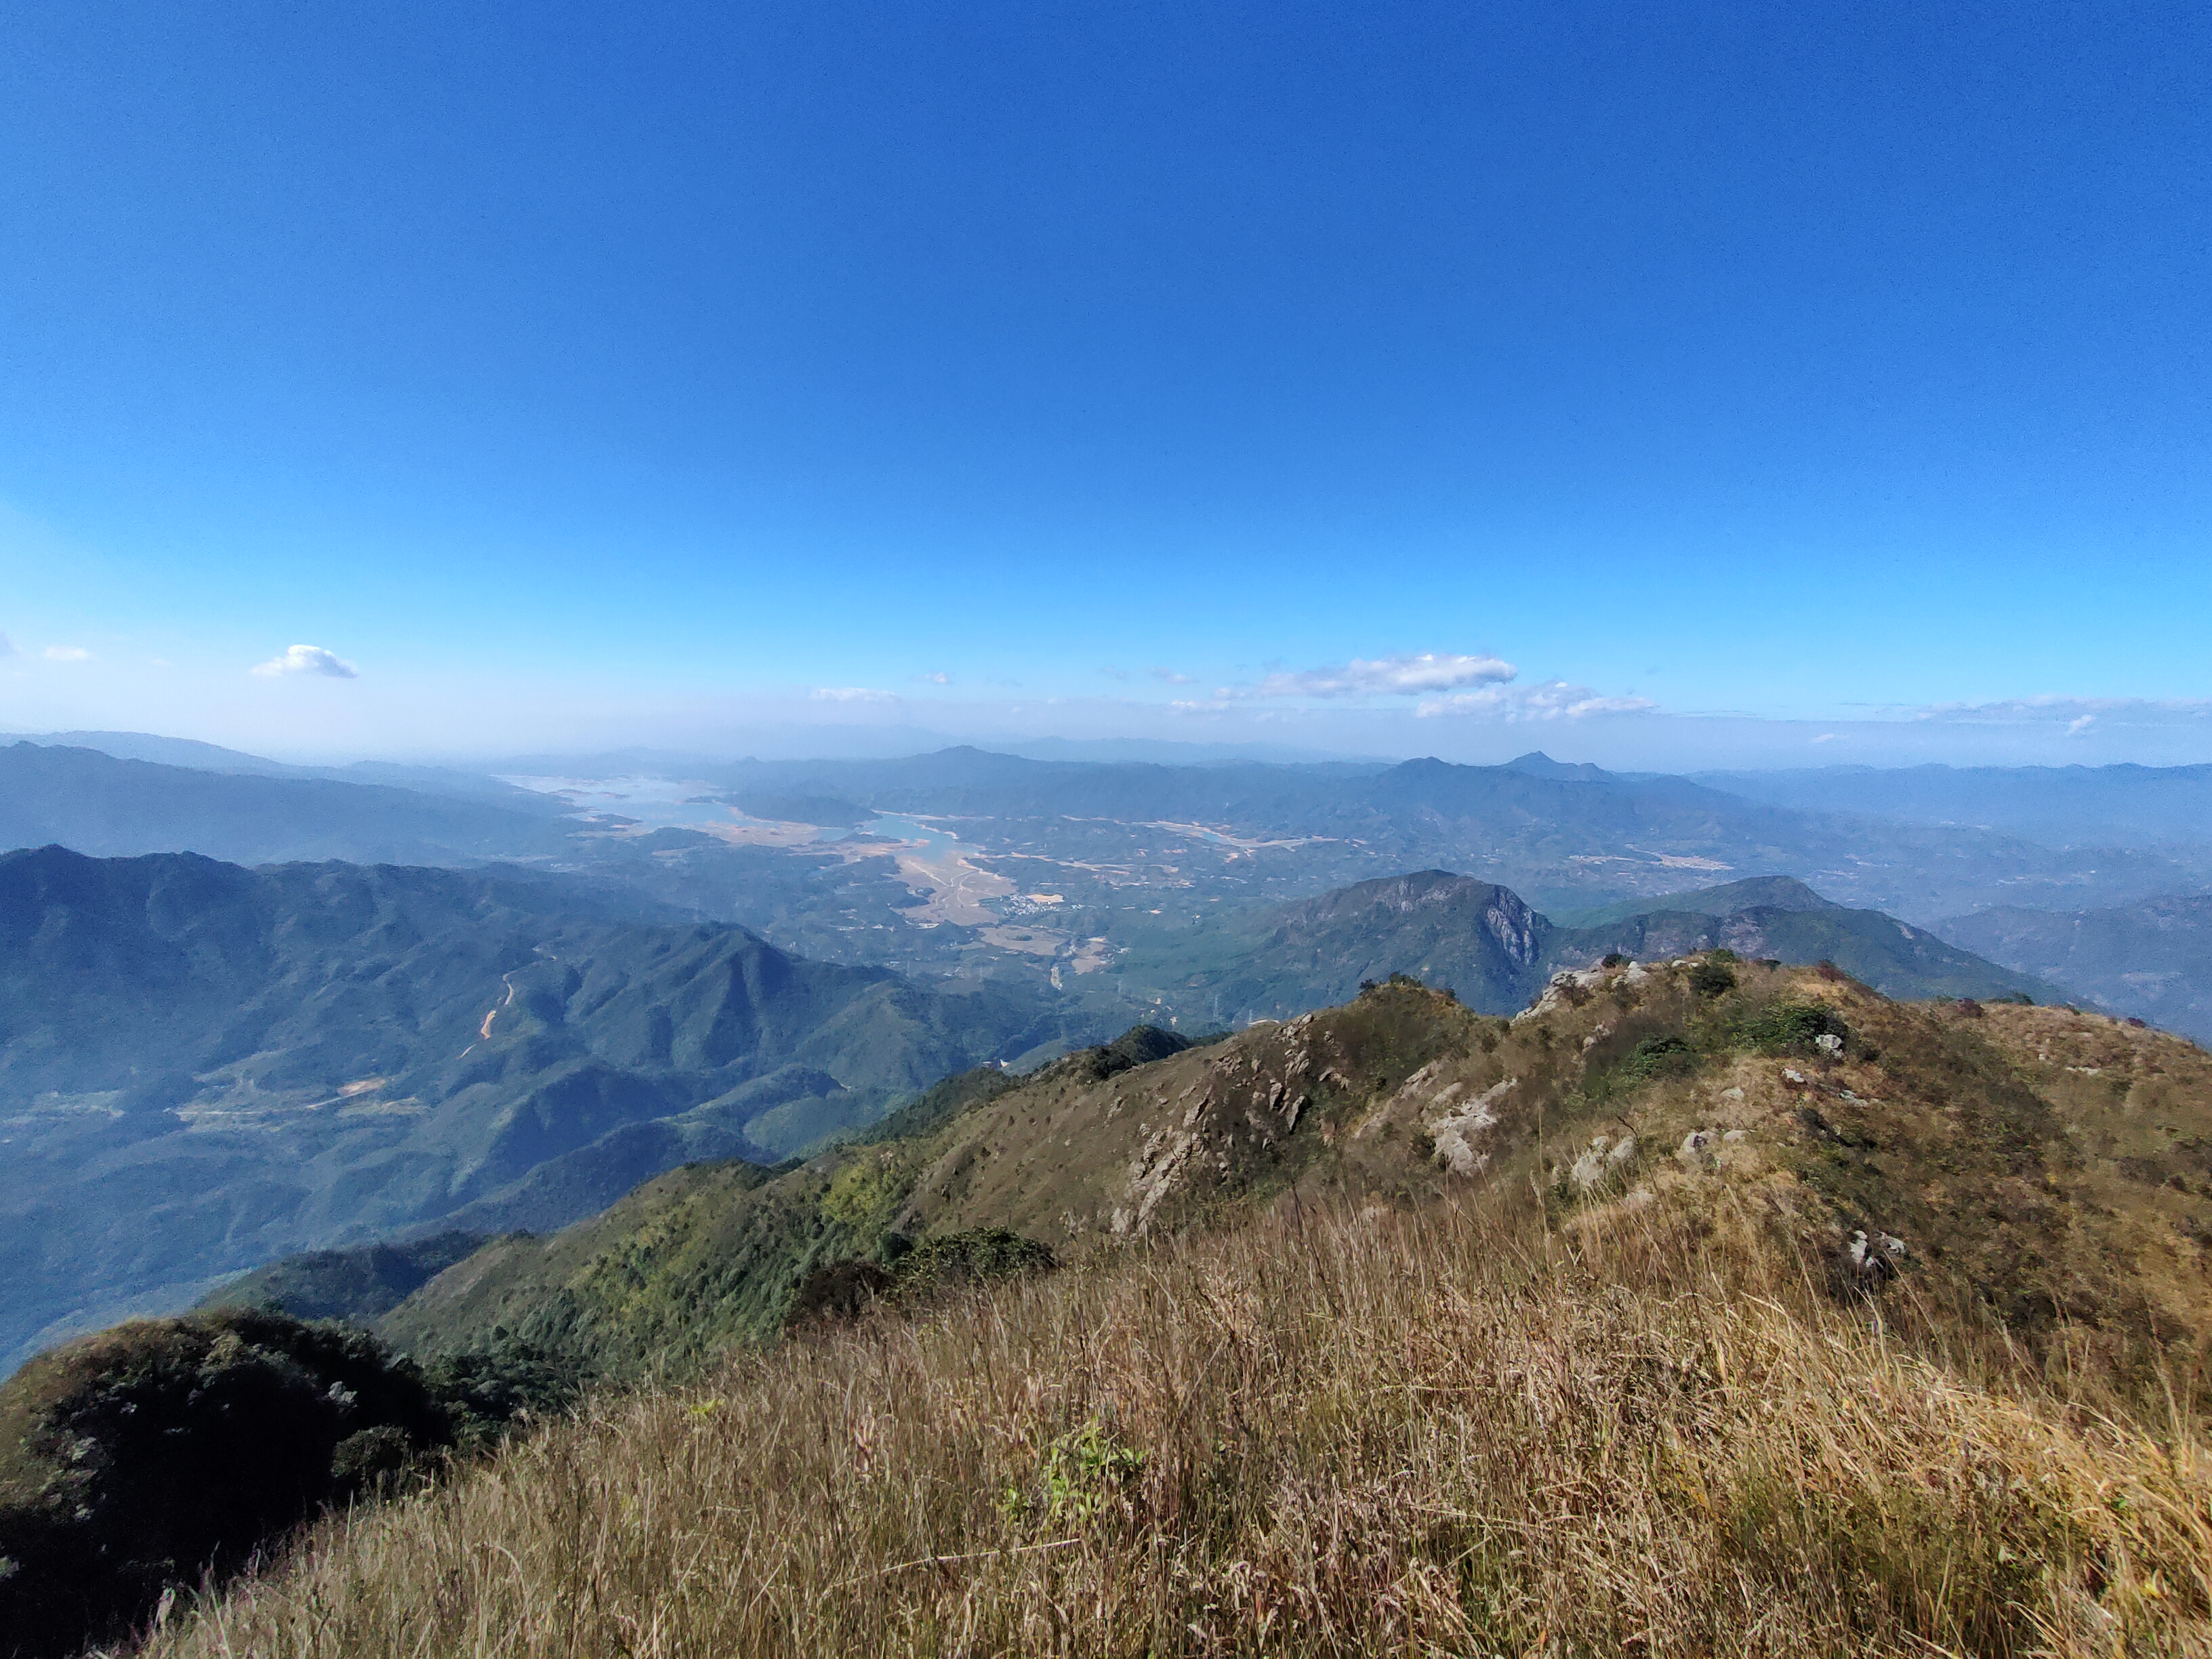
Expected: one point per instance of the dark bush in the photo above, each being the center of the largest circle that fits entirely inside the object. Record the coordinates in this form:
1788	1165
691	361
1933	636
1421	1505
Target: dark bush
1656	1057
165	1449
971	1257
1793	1027
1712	977
487	1392
1613	959
848	1287
838	1290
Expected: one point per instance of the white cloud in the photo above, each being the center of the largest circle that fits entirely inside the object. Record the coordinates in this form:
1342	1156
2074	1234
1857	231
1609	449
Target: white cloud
1410	676
1825	737
941	678
307	659
1171	677
2074	728
68	654
853	693
1554	701
7	647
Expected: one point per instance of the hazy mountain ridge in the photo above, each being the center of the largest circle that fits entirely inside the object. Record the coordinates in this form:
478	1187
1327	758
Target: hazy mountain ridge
98	805
195	755
1488	944
2115	805
1114	843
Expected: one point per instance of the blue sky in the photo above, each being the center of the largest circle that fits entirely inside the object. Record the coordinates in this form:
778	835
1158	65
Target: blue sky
1758	382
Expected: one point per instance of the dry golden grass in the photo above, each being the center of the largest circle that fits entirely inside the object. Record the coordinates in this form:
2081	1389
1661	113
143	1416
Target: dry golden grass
1443	1433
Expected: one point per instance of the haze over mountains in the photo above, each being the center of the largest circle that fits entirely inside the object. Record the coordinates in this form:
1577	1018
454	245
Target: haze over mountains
2121	806
95	803
2152	958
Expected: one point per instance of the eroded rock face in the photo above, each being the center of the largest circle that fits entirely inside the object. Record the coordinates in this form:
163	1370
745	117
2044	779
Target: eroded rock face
1458	1134
1604	1157
1569	987
1513	924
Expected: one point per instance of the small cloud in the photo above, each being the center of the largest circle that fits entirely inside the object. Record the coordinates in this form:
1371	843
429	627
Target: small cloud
1553	702
1825	737
1114	673
853	693
7	647
2076	728
941	678
68	654
1172	678
1413	676
307	659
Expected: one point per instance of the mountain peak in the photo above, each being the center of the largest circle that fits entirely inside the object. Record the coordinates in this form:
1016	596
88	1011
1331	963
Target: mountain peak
1537	764
1754	893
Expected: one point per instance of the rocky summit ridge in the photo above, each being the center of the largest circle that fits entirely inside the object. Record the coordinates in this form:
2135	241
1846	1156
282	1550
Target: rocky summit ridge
2052	1167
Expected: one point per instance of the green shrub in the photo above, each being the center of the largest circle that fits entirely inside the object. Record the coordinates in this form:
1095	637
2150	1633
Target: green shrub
838	1290
1790	1028
165	1449
849	1286
486	1392
1713	976
1656	1057
975	1257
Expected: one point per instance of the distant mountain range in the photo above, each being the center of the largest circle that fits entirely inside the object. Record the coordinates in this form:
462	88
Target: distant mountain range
1562	835
203	1066
2135	806
94	803
197	757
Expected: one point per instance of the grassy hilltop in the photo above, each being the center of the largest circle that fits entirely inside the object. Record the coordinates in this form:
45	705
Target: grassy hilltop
1706	1306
